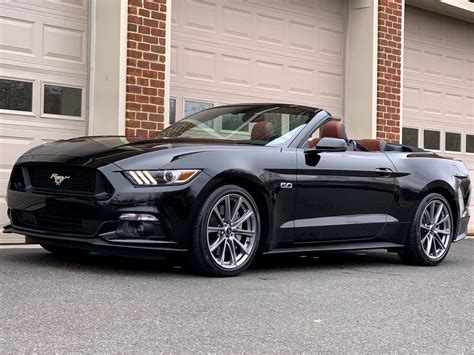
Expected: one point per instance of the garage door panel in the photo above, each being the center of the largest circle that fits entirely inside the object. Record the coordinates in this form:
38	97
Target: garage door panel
469	65
331	41
247	51
227	70
426	63
301	36
268	75
16	35
321	9
64	44
41	40
286	53
17	143
301	80
236	22
74	8
200	15
438	85
199	93
426	97
236	70
470	109
272	29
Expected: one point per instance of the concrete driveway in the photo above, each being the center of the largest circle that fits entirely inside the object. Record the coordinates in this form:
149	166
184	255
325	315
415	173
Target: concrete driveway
338	302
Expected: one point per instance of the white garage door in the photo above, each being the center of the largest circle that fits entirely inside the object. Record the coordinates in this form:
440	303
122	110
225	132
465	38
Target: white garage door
438	90
43	77
246	51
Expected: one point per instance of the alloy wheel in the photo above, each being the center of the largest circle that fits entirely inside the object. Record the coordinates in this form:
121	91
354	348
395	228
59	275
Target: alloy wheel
435	229
231	230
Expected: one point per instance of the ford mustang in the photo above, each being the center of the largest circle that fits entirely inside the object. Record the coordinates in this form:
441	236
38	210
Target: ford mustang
230	182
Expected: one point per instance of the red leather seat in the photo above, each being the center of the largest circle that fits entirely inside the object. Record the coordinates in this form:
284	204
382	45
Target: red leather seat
372	145
332	129
262	131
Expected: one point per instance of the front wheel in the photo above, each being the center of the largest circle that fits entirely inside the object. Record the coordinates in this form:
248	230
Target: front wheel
431	232
226	233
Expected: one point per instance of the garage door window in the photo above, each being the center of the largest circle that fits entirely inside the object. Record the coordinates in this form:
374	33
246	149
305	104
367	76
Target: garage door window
172	110
16	95
469	143
410	136
62	100
431	139
453	142
193	106
234	122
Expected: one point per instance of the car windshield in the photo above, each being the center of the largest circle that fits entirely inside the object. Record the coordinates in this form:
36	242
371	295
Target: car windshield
249	124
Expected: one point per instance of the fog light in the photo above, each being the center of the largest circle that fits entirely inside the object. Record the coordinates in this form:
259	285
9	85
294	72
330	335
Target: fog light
138	217
144	229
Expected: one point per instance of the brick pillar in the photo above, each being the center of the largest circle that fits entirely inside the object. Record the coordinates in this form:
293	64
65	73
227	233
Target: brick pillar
145	67
389	71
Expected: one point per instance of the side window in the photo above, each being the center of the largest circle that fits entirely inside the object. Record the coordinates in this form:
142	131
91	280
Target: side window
410	136
452	142
172	112
16	95
432	139
469	143
60	100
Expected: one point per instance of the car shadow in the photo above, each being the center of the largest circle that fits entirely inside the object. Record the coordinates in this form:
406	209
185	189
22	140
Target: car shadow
374	261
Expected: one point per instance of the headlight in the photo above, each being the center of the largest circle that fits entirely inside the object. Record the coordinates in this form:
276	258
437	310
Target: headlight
160	177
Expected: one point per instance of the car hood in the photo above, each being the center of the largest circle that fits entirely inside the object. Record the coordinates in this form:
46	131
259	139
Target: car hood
123	152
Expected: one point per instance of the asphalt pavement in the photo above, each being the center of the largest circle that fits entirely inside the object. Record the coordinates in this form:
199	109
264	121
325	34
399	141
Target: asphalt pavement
364	302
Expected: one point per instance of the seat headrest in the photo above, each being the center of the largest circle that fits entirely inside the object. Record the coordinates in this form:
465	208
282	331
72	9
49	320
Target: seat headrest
372	145
262	131
334	129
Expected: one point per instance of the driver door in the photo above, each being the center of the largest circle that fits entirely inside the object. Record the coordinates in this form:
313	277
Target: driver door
342	195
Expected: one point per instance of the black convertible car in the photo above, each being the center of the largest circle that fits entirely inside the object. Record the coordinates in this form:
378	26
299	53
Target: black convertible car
229	182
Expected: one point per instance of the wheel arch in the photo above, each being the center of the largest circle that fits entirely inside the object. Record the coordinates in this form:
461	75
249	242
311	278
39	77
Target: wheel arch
255	187
445	190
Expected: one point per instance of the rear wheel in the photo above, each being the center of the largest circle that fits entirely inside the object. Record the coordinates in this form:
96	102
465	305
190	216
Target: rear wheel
226	233
431	232
63	251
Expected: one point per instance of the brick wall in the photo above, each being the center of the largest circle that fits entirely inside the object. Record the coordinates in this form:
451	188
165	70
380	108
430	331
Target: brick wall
145	67
390	19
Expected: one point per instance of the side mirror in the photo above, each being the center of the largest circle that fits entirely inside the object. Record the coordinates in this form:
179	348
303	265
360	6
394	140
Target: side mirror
329	145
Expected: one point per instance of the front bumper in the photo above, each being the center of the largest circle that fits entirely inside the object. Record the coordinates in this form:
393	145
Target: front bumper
93	224
463	226
100	244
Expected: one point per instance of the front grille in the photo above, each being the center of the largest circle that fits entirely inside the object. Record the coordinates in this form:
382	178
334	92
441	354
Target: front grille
63	178
59	223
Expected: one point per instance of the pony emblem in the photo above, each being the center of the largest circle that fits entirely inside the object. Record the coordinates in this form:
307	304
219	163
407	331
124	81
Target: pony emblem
58	179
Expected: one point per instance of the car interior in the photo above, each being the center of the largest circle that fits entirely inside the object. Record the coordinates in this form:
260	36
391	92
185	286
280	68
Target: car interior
336	129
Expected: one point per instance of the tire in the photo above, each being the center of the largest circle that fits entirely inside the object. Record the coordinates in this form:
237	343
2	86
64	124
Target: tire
217	248
428	243
64	251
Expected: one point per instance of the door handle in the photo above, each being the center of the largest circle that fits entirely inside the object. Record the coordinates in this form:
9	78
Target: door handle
383	172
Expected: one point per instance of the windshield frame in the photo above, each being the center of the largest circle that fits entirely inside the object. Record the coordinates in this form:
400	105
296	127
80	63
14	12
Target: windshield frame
318	117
